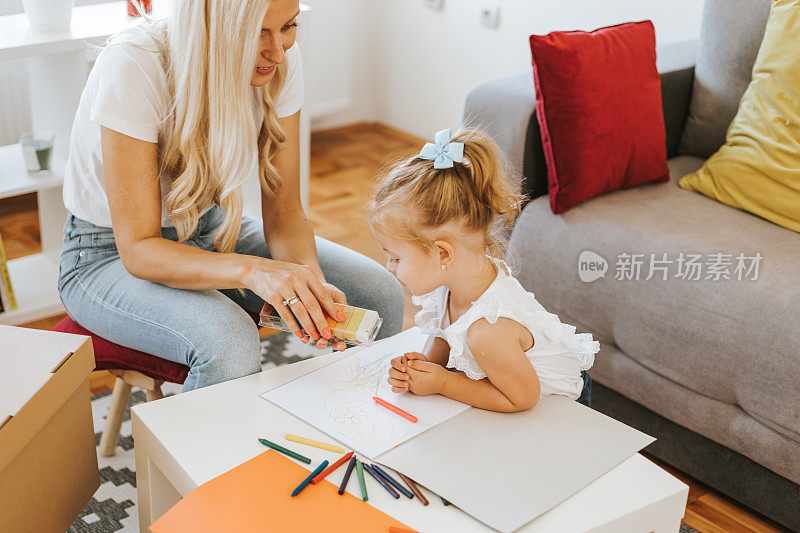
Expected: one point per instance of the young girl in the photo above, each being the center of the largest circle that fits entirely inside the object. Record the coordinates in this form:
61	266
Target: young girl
434	216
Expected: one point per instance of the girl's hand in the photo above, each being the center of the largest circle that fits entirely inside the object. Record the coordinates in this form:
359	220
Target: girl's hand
425	378
277	281
398	377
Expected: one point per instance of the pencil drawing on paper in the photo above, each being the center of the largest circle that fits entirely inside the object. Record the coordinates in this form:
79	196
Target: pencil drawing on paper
337	400
352	415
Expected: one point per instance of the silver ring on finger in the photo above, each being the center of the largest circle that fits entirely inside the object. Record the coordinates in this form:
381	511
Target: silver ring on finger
291	301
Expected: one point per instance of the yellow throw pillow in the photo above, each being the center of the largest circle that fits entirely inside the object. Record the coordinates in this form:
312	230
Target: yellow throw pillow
758	168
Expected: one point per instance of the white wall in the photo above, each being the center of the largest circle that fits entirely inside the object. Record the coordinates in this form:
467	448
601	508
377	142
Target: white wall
414	65
14	93
355	55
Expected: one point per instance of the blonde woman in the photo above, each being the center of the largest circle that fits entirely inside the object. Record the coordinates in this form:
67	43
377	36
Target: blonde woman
175	116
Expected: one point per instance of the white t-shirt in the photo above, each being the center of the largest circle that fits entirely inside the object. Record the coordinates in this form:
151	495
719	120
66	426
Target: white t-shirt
127	92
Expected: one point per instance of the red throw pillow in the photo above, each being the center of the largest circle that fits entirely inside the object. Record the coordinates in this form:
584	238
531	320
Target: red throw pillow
598	100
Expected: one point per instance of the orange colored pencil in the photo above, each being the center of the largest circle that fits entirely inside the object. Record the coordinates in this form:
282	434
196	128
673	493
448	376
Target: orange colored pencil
395	409
395	529
322	475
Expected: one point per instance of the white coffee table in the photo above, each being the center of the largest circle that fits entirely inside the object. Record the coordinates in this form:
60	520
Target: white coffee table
186	440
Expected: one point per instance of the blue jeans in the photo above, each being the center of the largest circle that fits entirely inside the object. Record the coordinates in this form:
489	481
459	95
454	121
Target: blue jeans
586	393
208	331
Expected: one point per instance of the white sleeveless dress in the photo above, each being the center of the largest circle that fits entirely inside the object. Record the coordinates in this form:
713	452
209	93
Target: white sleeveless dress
558	354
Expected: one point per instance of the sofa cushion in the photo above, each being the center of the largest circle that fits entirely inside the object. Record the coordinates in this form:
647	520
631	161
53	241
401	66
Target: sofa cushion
730	36
598	101
733	341
721	422
758	168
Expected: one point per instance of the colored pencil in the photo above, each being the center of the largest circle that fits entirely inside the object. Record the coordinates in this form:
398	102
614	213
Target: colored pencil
414	488
322	475
395	529
381	481
307	480
360	471
315	443
395	409
347	473
407	493
283	450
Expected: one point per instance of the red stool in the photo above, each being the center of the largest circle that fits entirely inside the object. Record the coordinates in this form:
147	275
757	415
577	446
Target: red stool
132	369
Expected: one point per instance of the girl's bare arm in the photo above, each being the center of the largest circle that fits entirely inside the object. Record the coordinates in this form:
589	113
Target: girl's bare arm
510	384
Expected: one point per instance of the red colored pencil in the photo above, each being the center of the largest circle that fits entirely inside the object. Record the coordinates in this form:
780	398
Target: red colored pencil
322	475
395	409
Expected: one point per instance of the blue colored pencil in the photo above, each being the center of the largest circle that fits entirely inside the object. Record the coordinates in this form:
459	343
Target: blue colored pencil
380	480
311	476
347	473
381	472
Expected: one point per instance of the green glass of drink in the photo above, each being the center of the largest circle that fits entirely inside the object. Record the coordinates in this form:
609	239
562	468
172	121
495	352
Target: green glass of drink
37	149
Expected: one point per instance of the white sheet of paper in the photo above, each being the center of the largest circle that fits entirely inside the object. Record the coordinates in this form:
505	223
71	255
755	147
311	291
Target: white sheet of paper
337	399
505	469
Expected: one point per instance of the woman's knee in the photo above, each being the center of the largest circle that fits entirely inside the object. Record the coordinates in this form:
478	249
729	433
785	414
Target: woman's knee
226	349
392	319
365	282
389	300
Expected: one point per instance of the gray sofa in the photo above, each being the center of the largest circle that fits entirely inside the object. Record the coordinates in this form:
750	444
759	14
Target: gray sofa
710	367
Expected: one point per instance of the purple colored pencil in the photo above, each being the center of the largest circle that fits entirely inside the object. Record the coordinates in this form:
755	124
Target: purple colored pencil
347	473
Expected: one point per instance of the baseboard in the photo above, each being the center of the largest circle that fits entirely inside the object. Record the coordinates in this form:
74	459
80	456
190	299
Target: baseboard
378	127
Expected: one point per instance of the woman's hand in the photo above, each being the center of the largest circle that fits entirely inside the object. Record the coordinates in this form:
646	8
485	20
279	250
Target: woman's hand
278	281
338	298
398	373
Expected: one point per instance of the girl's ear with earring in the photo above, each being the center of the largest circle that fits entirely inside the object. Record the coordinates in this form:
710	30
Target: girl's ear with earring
445	250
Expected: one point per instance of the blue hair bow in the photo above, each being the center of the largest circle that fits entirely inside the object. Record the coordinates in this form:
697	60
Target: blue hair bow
442	151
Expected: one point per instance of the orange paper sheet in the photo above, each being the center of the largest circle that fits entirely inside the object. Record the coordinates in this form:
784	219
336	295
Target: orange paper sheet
256	496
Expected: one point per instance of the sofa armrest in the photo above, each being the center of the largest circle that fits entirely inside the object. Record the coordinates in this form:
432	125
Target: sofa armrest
504	108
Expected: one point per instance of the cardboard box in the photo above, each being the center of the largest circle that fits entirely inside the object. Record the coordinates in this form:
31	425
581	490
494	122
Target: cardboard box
48	462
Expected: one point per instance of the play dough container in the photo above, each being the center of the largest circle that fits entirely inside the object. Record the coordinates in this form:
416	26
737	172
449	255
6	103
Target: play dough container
359	327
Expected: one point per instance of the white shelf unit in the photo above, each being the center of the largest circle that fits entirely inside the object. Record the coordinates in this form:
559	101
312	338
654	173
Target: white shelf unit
15	181
35	277
90	25
58	64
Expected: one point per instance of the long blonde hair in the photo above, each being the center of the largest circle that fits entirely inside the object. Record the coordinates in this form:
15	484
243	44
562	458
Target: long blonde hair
210	135
411	195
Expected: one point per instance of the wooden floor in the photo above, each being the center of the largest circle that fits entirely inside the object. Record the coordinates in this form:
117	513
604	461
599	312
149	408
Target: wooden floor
343	162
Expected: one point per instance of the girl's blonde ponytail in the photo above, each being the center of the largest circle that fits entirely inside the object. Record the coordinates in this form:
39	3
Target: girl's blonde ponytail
473	193
487	170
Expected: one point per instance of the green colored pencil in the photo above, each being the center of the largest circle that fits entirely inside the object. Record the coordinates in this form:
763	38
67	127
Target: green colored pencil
360	470
283	450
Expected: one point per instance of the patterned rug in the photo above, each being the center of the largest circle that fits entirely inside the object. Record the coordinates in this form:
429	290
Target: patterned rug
113	506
